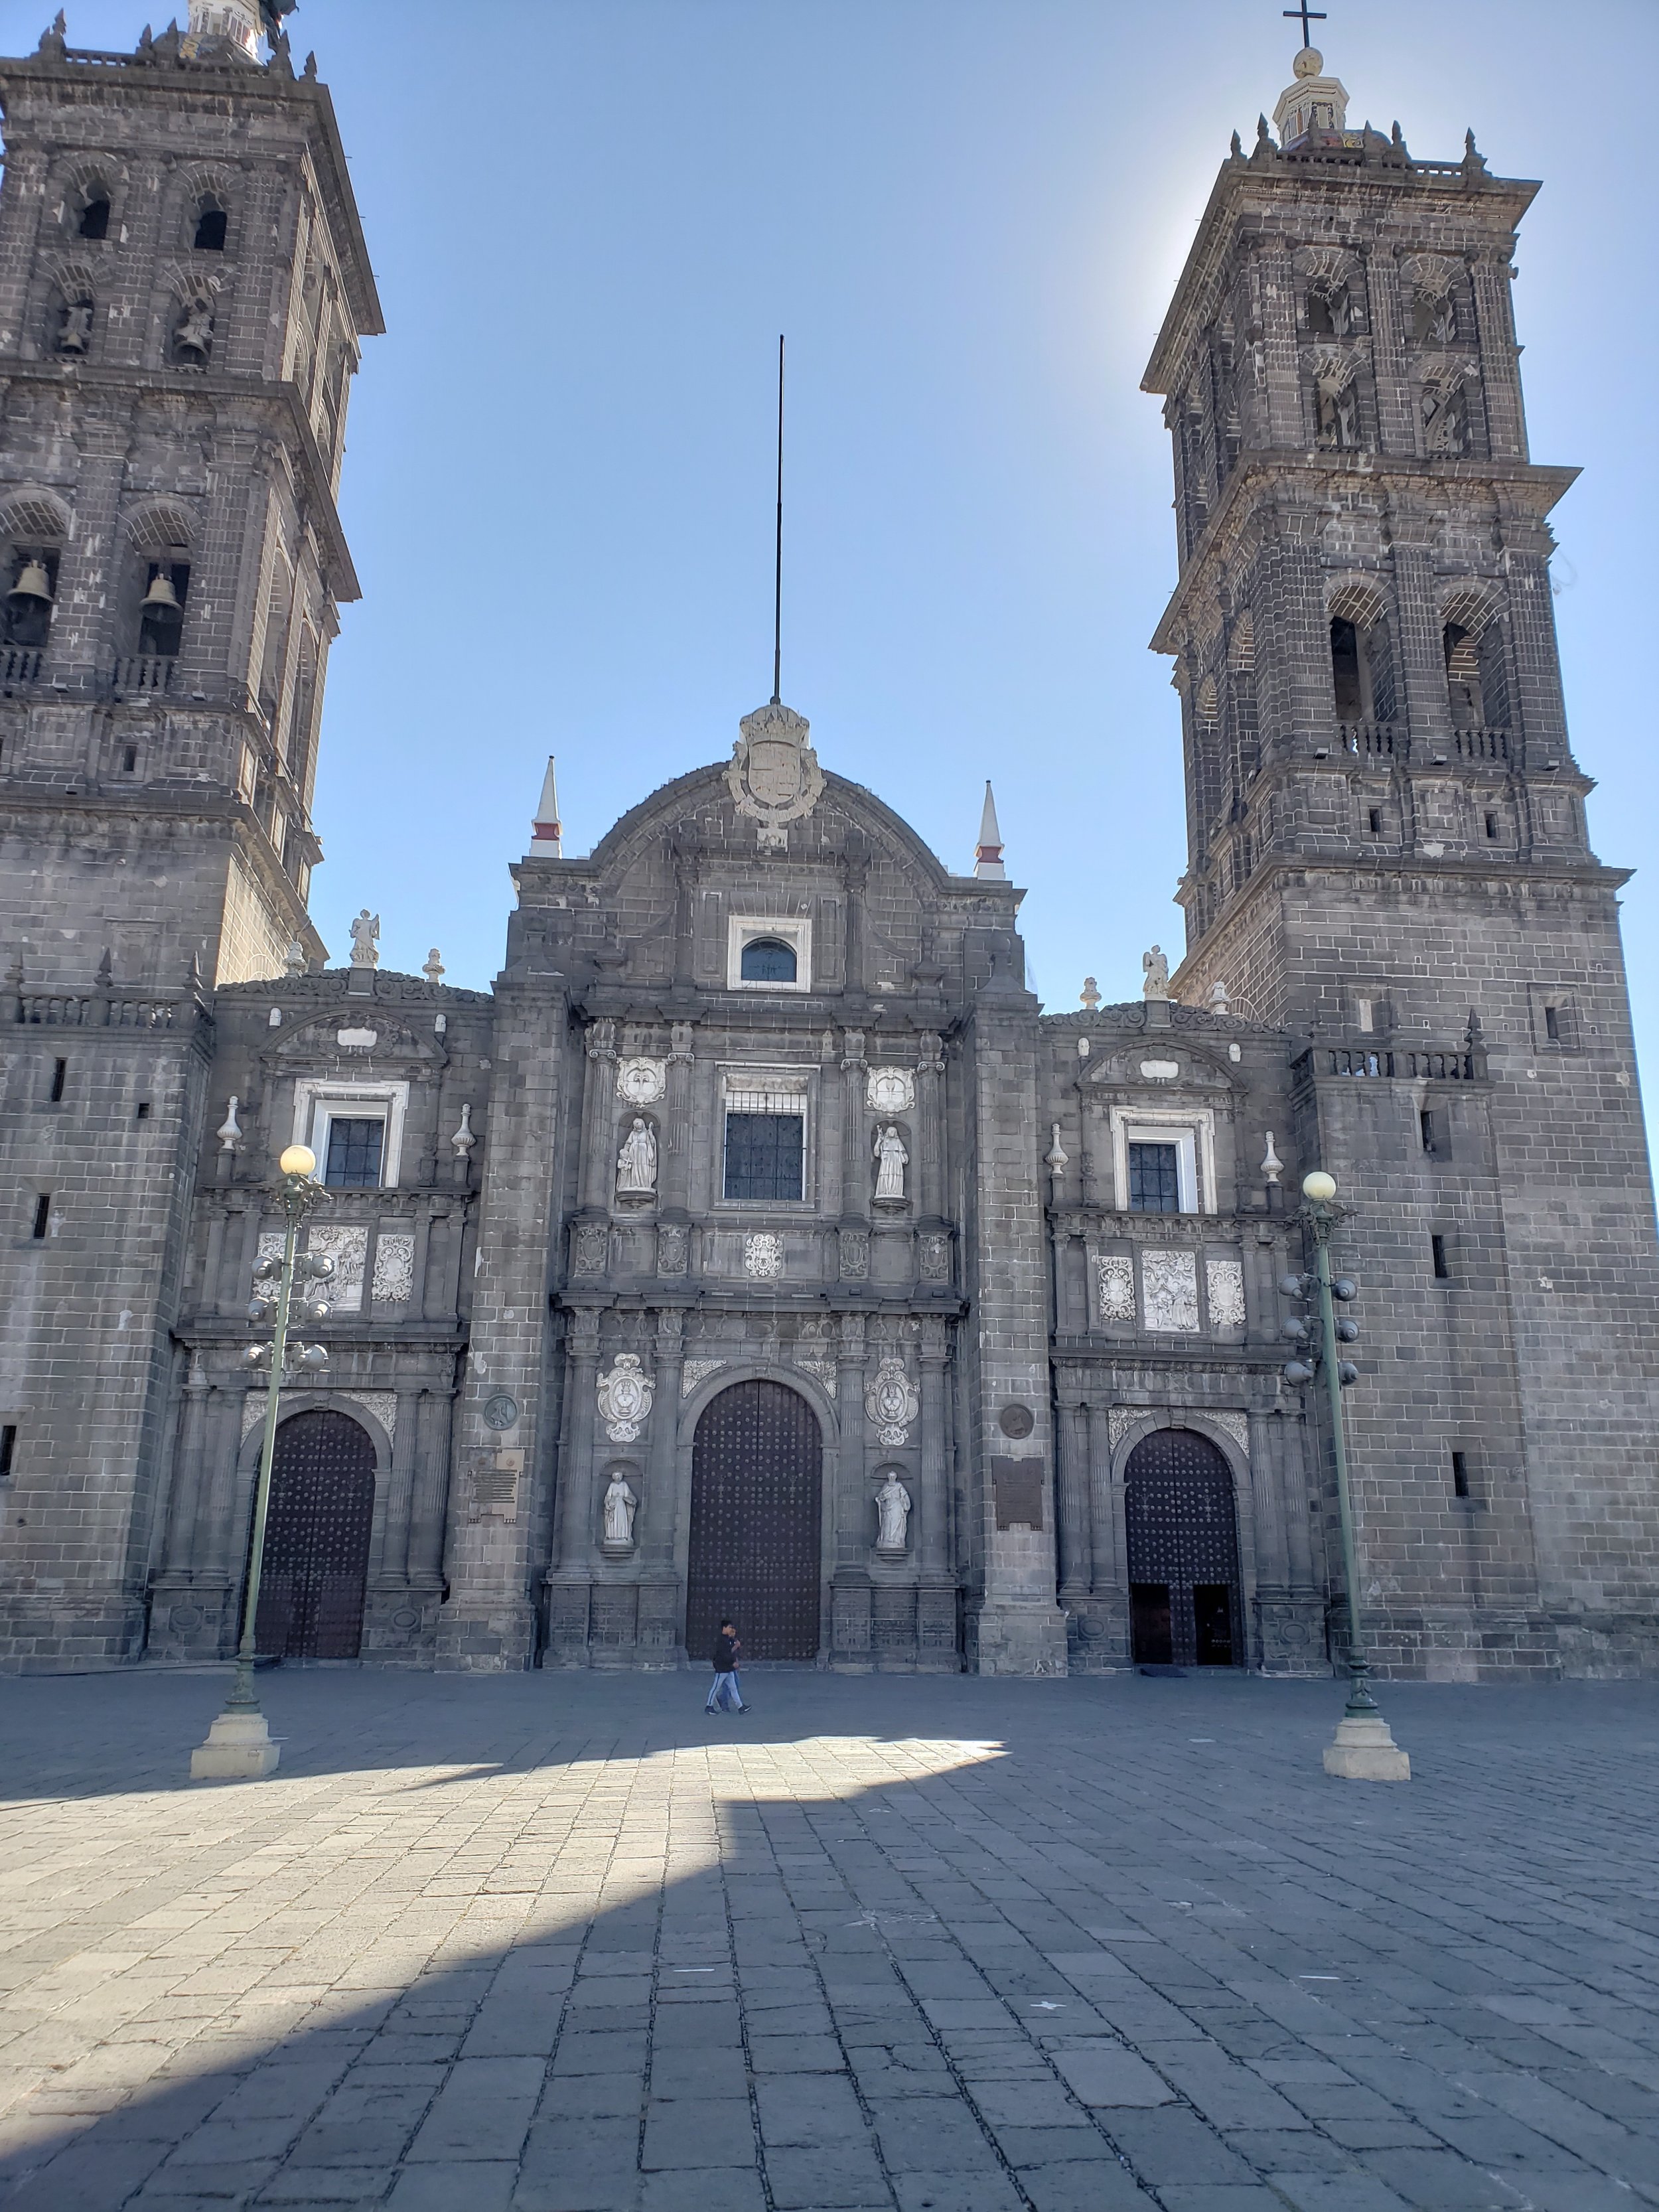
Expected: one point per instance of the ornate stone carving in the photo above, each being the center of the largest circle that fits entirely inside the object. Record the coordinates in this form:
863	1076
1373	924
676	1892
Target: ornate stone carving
823	1372
891	1091
464	1139
592	1241
636	1162
381	1404
619	1508
641	1082
933	1256
854	1254
1115	1285
893	1514
1225	1282
1237	1426
1169	1291
348	1247
762	1254
891	1160
673	1247
775	778
394	1269
695	1371
892	1401
229	1132
1119	1421
624	1396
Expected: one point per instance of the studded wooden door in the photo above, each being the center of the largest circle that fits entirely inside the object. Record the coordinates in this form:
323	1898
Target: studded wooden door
322	1508
756	1475
1185	1606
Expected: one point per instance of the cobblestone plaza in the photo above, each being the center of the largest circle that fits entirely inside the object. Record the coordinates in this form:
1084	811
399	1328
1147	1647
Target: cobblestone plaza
540	1943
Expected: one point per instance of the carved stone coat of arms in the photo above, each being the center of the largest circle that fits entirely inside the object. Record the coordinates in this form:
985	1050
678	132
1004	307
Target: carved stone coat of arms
775	777
625	1396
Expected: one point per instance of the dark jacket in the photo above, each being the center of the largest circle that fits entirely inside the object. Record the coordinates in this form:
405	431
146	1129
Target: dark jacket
726	1649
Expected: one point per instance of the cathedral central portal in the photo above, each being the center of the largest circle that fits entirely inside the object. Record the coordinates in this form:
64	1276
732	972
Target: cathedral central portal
757	1493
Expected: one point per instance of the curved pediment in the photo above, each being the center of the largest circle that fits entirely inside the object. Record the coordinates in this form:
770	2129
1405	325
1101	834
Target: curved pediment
349	1036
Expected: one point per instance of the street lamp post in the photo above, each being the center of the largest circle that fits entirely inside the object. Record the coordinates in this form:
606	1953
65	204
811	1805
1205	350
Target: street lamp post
1363	1748
238	1745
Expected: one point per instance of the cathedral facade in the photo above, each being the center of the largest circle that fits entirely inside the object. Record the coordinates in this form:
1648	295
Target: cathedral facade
758	1245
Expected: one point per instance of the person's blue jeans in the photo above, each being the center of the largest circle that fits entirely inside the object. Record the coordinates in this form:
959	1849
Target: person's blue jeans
725	1690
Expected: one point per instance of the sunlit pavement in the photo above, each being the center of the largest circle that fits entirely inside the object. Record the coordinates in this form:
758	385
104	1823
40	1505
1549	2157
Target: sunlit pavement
561	1944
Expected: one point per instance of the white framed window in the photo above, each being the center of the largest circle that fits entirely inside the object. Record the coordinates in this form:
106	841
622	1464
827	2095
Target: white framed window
1191	1136
769	952
765	1158
336	1119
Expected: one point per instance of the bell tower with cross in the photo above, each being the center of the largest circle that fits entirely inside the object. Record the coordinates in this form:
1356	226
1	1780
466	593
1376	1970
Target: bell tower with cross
1389	856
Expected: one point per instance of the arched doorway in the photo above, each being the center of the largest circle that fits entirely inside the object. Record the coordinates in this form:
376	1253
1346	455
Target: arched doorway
322	1508
1184	1598
757	1478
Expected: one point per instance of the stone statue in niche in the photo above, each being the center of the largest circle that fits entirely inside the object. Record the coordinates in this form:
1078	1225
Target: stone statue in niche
893	1512
636	1162
891	1159
620	1506
1156	968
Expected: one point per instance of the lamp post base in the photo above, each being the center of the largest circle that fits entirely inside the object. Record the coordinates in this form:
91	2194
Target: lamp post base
1364	1750
238	1748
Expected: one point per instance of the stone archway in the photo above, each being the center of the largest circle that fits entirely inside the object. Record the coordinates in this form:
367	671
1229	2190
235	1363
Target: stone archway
316	1536
1186	1606
756	1489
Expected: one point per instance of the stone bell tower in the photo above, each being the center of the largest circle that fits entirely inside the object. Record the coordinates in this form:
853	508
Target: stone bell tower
183	286
1388	857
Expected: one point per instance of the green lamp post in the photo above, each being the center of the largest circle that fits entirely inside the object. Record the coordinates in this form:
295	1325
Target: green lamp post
1363	1748
238	1745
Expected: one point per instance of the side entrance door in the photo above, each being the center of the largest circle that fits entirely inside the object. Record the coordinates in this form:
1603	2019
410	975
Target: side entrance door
322	1509
1185	1605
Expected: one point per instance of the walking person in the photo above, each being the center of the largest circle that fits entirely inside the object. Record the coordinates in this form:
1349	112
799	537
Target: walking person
727	1690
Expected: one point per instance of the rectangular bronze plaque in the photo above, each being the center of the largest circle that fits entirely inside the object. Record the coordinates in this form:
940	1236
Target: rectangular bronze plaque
1018	1486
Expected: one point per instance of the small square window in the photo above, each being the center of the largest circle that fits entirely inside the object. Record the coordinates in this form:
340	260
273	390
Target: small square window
1154	1179
765	1155
355	1149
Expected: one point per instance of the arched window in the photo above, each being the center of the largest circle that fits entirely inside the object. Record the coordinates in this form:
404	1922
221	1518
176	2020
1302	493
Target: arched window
94	214
31	580
1362	670
1445	417
192	334
162	609
72	321
1329	309
768	960
1434	317
211	221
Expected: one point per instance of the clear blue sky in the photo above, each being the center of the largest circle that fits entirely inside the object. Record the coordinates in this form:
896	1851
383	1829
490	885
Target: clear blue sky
590	218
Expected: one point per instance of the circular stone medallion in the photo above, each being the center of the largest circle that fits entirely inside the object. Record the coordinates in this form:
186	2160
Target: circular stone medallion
501	1412
1016	1421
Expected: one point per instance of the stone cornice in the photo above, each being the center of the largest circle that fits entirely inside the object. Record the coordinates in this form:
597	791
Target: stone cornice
1319	476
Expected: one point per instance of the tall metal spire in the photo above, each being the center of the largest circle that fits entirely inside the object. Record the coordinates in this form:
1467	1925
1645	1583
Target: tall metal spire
777	573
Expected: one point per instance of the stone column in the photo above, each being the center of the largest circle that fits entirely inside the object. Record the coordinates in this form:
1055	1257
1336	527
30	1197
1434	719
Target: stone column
569	1576
930	1126
936	1585
394	1553
1422	654
1076	1543
1110	1607
1395	410
850	1590
435	1415
423	1211
856	1174
1500	372
597	1172
677	1124
660	1589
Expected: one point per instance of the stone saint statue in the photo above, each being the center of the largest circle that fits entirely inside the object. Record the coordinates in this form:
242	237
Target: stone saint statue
636	1162
620	1504
1157	967
893	1506
365	953
891	1160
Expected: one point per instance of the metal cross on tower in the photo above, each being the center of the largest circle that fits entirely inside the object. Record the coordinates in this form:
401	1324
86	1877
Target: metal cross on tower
1306	15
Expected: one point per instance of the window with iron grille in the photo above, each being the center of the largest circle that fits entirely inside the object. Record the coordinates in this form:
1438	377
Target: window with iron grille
1154	1179
354	1154
765	1145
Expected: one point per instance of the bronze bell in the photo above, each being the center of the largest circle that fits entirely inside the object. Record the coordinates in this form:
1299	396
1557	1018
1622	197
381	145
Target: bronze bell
161	594
33	583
